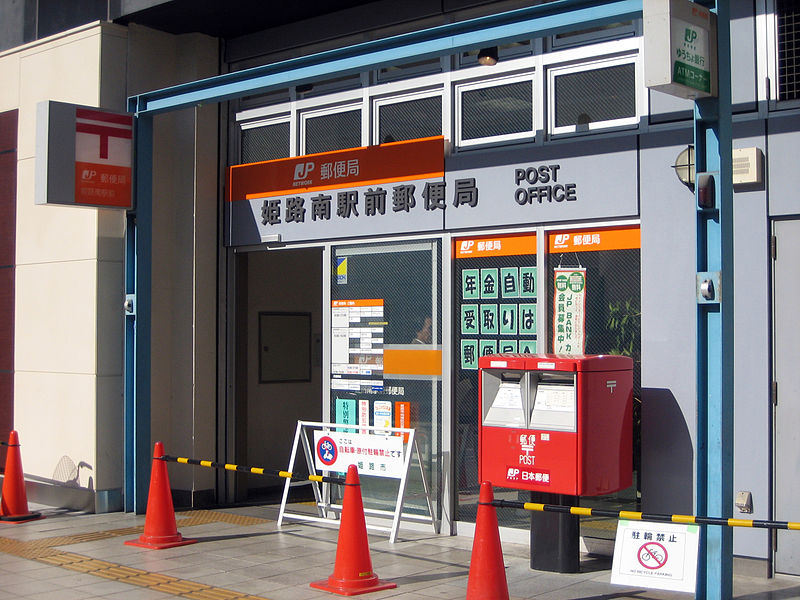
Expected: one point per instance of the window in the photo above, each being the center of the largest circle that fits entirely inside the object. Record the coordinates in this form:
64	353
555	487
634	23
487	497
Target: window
265	141
331	131
584	98
504	52
493	111
787	14
593	34
408	119
414	69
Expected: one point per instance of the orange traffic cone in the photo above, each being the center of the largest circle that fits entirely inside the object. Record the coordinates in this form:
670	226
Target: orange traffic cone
160	529
487	574
14	504
352	573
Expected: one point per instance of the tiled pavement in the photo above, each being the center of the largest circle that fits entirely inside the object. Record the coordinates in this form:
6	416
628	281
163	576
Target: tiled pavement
242	555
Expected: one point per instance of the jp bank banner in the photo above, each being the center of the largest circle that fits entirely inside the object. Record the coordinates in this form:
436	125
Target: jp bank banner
569	316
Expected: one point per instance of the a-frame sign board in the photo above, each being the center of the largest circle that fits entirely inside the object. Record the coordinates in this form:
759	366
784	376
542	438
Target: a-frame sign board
382	452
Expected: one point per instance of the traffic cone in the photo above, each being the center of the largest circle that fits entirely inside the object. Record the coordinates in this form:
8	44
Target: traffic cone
352	573
14	503
487	573
160	529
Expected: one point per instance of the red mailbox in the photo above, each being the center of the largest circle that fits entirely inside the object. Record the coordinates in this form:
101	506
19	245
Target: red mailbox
556	423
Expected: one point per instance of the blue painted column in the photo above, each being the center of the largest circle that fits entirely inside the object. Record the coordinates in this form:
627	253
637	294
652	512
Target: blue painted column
138	258
713	151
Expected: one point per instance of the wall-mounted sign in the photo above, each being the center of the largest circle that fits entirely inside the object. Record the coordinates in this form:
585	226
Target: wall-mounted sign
546	184
390	188
83	156
357	332
656	555
496	305
680	48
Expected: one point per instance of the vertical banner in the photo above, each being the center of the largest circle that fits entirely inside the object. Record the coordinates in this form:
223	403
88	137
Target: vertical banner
569	315
402	417
363	415
346	412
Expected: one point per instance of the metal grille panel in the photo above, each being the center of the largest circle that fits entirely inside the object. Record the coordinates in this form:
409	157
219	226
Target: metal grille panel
410	120
498	110
265	143
336	131
596	95
788	13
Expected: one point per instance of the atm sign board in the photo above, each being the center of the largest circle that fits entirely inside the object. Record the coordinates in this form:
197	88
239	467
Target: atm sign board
680	42
84	156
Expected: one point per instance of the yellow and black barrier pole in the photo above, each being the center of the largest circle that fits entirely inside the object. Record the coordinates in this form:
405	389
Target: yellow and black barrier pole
254	470
582	511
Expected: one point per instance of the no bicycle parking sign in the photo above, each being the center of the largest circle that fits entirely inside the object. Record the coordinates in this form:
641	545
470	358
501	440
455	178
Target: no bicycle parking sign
656	555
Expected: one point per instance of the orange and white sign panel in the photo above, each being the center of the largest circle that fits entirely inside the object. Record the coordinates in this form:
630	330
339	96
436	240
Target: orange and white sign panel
103	158
499	245
590	240
372	165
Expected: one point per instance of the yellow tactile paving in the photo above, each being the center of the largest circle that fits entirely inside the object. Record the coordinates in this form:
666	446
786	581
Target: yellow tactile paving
45	551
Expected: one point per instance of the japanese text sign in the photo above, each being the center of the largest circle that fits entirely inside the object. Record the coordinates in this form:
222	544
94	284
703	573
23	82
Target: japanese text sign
378	455
656	555
83	156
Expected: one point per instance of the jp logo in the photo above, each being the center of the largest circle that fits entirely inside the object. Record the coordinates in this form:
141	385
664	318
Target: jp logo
690	35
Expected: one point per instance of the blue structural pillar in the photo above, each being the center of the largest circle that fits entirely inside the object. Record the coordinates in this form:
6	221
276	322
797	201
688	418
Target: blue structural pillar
138	259
713	151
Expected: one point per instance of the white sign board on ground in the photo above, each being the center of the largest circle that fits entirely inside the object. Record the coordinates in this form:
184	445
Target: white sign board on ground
382	451
379	455
656	555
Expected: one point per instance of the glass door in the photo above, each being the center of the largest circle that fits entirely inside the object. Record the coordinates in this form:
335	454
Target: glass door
386	355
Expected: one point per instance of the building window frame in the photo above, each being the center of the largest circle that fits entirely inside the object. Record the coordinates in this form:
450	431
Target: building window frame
485	83
378	102
616	31
266	122
554	71
306	115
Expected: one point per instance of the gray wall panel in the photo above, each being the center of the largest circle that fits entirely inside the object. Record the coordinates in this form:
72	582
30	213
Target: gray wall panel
752	413
783	174
669	328
602	171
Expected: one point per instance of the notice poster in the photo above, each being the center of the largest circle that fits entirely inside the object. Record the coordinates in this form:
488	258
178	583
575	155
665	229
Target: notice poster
402	417
357	330
656	555
363	415
346	412
378	455
569	315
382	415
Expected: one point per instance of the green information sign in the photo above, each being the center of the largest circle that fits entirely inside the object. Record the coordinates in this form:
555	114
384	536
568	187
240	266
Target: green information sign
508	319
488	283
470	284
469	354
509	282
488	347
527	278
690	62
527	319
508	346
488	319
469	319
527	346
